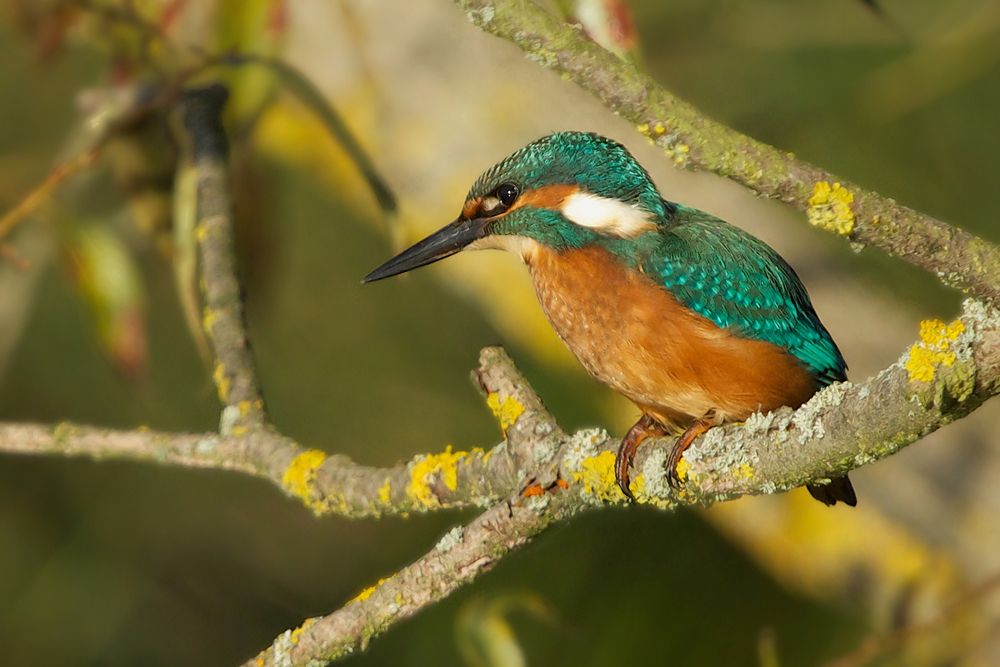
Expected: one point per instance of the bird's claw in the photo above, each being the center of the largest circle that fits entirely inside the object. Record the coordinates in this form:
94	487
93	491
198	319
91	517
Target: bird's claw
673	477
623	461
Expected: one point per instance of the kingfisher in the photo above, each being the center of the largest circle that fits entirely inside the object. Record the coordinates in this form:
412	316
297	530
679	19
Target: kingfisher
694	320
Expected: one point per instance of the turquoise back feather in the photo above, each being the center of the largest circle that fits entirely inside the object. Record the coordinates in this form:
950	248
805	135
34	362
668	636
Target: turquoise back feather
738	282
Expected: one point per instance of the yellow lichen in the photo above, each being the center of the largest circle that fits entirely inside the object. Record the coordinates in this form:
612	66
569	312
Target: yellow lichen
385	492
201	232
297	632
682	469
367	593
300	476
207	320
424	470
744	471
933	349
506	411
221	382
597	473
679	153
830	208
643	128
638	487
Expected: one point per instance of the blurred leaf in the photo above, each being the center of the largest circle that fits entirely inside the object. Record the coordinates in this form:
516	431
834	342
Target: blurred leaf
607	22
312	97
484	635
249	26
107	278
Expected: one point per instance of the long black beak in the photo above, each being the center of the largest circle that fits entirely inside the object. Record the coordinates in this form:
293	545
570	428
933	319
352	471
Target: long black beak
443	243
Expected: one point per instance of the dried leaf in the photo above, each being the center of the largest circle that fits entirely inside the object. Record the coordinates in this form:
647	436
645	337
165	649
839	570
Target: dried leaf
107	278
484	635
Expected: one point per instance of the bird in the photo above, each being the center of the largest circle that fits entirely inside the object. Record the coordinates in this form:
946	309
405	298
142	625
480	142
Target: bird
696	321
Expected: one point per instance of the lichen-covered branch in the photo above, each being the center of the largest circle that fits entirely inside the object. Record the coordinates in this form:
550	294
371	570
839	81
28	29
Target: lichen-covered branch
207	150
694	141
946	374
540	475
459	557
333	483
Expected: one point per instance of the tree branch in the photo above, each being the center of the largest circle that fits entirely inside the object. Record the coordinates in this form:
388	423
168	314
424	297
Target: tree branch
333	483
540	475
942	377
459	557
693	141
235	375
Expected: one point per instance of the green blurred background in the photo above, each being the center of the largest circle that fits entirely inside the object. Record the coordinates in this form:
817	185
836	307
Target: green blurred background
117	564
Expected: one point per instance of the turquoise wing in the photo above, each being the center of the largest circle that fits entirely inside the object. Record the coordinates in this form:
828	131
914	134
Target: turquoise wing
740	283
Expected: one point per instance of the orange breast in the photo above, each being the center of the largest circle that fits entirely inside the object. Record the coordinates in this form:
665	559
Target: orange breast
637	338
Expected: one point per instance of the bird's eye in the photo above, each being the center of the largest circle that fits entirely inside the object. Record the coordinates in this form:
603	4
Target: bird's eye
507	193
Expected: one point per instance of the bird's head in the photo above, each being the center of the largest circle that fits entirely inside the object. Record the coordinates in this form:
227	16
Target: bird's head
566	190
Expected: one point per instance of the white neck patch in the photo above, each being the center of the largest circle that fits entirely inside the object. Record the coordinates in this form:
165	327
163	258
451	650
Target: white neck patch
608	216
519	245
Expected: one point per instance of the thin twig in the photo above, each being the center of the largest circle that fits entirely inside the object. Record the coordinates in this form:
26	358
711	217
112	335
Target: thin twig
207	149
459	557
44	190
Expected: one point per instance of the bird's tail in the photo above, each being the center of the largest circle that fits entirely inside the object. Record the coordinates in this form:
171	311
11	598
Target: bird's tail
839	488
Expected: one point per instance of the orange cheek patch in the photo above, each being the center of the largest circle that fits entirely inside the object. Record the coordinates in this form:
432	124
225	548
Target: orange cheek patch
547	196
471	208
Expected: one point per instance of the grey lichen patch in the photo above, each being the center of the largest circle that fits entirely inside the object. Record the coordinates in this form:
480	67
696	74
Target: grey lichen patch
500	449
654	471
711	445
976	313
543	428
281	650
808	419
205	446
537	503
542	57
724	459
230	416
544	450
482	17
582	444
450	539
758	423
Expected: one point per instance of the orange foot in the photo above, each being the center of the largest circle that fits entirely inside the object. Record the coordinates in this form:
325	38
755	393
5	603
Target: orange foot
646	427
680	447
